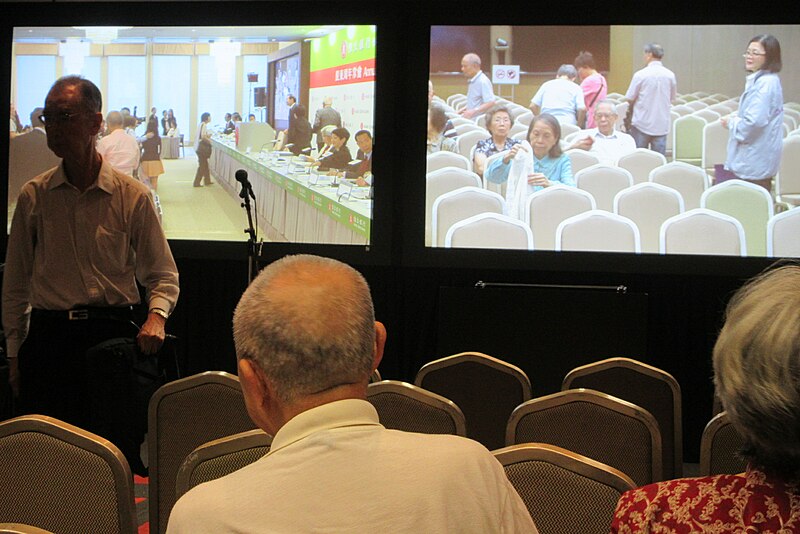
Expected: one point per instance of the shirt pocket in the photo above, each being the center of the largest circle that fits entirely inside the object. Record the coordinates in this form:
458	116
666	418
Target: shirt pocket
113	249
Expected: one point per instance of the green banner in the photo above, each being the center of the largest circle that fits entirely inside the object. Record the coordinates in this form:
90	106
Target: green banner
348	45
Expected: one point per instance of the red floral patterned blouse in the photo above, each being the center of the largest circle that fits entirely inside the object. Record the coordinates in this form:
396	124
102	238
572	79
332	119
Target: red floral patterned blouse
745	503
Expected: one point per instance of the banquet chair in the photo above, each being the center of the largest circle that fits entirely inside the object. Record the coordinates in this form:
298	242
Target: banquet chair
698	104
715	145
443	158
687	142
490	230
220	457
441	181
787	181
702	231
182	415
605	428
404	406
567	129
562	489
455	97
708	115
689	180
580	159
463	128
469	139
524	118
673	115
782	232
60	478
603	182
598	231
20	528
748	203
622	112
682	109
518	128
517	111
486	390
546	208
643	385
720	448
640	162
648	205
461	204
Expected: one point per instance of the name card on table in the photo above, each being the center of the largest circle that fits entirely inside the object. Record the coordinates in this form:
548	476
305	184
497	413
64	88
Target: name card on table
344	191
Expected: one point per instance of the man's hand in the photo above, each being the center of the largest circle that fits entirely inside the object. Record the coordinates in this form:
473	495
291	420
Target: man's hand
468	113
584	144
151	335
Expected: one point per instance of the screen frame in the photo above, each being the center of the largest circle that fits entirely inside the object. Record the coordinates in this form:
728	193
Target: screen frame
234	13
416	254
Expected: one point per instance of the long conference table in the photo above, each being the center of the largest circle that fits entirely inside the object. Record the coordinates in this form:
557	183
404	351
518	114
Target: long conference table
287	206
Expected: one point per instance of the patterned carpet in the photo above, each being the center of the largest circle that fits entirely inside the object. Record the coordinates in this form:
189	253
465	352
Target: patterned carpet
142	510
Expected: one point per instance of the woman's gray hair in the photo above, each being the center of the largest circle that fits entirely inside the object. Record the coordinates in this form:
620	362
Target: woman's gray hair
309	324
327	129
757	369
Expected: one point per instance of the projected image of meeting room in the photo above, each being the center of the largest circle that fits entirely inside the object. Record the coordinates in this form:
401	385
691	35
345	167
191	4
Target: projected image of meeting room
628	139
187	109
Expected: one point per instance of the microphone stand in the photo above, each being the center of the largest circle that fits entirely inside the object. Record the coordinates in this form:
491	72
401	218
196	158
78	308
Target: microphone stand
253	249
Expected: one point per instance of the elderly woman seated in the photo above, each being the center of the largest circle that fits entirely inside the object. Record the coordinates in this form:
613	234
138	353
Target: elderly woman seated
437	121
499	123
757	376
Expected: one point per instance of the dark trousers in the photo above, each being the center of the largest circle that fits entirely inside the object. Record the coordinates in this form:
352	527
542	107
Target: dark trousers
202	172
52	365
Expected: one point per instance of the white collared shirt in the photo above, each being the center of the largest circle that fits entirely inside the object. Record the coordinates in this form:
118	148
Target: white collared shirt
120	150
609	148
653	88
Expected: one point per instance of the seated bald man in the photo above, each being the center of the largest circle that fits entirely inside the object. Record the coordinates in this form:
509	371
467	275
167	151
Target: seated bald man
304	366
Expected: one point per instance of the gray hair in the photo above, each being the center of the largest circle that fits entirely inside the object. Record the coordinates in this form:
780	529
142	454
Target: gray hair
327	129
114	119
309	324
473	58
568	71
327	101
757	369
609	102
655	49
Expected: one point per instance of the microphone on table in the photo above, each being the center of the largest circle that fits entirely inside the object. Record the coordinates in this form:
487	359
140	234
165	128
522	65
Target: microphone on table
247	187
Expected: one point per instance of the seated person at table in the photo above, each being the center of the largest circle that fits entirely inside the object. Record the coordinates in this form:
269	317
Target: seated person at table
339	157
437	140
604	141
757	378
532	165
327	144
361	172
307	342
230	126
499	123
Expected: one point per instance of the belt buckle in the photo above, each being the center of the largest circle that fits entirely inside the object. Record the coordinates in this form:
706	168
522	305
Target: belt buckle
77	315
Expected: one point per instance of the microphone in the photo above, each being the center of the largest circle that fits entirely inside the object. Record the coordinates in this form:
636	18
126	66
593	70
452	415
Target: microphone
247	187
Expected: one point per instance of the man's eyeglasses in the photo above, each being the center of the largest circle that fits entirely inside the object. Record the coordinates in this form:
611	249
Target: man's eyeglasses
59	117
753	53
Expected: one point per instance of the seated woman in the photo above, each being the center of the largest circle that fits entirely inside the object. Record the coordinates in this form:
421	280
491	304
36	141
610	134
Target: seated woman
531	165
499	123
437	119
340	157
327	145
757	378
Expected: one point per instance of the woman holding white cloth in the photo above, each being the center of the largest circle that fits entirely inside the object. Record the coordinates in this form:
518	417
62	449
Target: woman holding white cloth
532	164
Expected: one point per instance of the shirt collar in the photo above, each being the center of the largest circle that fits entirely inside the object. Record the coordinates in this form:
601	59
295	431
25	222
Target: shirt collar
476	76
105	180
330	416
602	136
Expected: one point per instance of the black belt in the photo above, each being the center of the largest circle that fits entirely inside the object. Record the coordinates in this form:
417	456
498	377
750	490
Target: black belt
84	314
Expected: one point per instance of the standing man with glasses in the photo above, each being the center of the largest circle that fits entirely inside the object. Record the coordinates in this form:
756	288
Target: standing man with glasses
81	235
651	93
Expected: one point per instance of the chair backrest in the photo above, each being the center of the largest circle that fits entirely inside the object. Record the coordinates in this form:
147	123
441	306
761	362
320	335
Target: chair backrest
517	128
648	205
404	406
673	115
622	112
567	129
489	230
603	182
581	159
182	415
469	139
788	178
682	109
687	142
461	204
696	105
720	448
690	181
562	489
708	115
486	389
702	231
748	203
445	158
524	118
221	457
594	424
468	126
548	207
715	145
454	97
441	181
782	232
19	528
57	477
640	162
643	385
598	231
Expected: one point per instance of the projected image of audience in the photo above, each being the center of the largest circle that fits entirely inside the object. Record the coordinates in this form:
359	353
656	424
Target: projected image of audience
186	108
628	139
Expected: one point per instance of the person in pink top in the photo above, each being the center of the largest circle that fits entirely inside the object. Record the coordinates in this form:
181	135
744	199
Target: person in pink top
593	83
